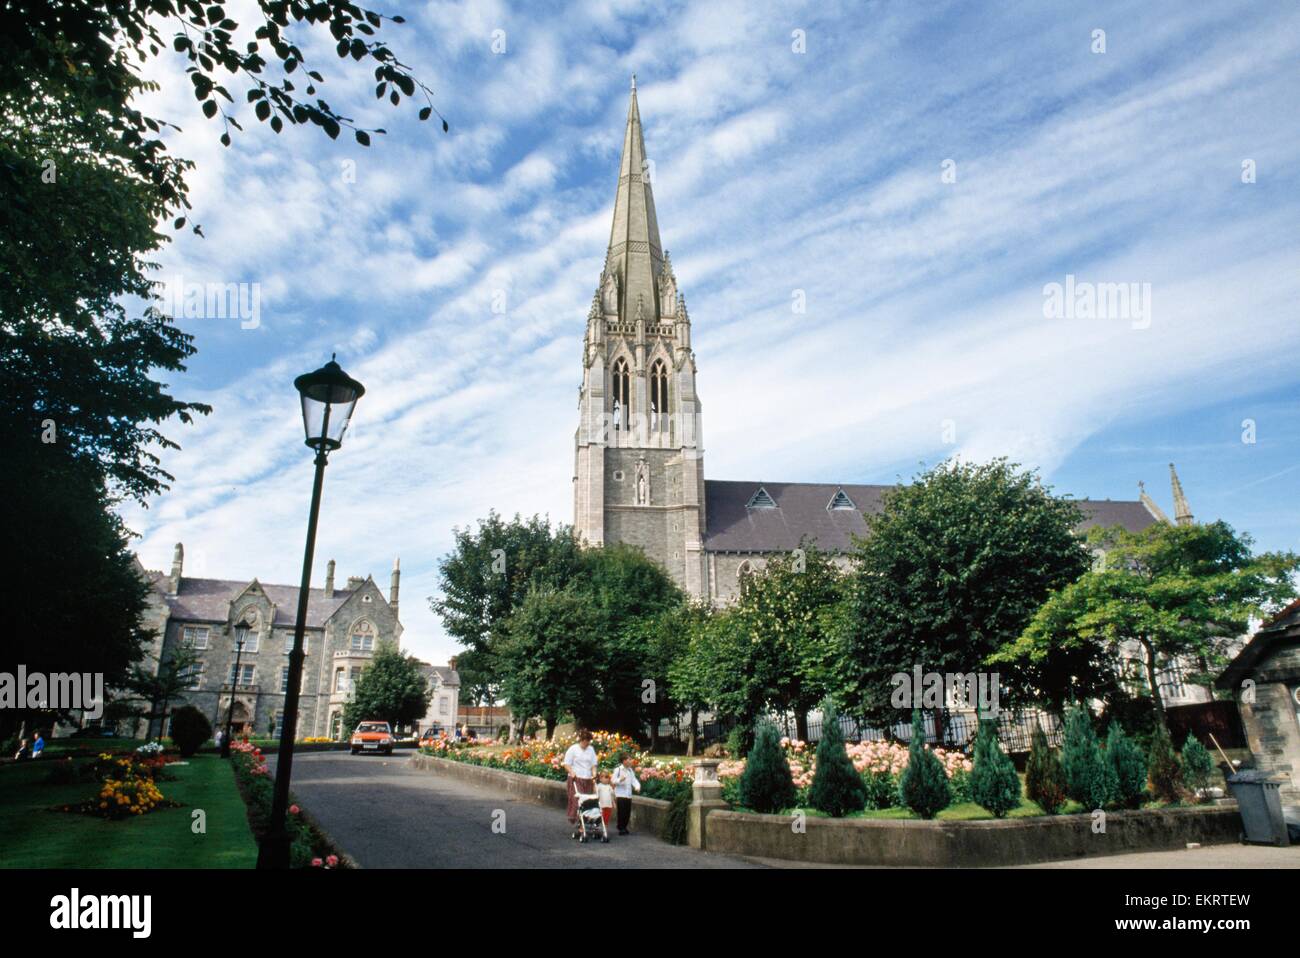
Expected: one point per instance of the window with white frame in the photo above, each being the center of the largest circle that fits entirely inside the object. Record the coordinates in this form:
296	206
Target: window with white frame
363	637
194	637
252	640
288	643
246	675
443	706
191	675
340	680
284	680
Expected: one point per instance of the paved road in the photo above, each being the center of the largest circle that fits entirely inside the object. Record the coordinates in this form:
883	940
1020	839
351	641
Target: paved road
387	815
1211	856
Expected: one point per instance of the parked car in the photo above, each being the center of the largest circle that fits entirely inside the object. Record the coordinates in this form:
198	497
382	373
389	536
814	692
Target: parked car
431	735
372	737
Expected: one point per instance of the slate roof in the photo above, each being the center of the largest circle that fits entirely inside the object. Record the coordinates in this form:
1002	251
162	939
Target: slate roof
801	511
1283	628
446	674
208	600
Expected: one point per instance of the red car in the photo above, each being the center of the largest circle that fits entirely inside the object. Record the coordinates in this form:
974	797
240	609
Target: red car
372	737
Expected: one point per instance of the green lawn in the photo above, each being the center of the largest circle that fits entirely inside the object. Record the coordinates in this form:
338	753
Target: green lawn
35	837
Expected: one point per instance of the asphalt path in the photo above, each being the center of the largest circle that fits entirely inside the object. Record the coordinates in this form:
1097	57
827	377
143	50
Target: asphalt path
386	814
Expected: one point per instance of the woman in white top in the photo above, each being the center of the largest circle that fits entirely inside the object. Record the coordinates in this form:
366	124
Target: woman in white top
580	763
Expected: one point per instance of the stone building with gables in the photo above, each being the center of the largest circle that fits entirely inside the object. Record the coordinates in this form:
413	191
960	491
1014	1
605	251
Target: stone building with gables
345	624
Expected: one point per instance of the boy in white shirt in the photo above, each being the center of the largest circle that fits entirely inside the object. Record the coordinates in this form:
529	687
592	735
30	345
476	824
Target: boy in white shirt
624	781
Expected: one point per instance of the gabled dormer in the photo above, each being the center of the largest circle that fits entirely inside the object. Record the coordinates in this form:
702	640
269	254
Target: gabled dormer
761	500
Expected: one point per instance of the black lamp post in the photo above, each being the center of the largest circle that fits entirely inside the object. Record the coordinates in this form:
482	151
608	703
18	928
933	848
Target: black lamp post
328	397
241	636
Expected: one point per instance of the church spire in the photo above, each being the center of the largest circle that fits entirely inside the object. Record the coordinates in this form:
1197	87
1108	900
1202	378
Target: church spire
1182	511
635	255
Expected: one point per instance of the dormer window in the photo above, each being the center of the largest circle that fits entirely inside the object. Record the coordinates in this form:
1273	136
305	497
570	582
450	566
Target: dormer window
841	501
761	500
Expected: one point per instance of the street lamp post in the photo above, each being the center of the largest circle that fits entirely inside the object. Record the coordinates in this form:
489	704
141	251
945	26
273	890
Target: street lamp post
328	397
241	636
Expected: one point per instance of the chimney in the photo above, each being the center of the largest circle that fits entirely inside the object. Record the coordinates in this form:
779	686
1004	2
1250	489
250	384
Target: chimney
329	579
355	582
178	562
451	663
397	575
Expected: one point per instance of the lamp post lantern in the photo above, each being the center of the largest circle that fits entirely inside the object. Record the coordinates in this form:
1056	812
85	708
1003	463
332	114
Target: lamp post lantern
241	637
329	396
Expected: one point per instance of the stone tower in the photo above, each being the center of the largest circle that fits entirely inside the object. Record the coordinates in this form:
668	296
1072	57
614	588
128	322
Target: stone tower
638	454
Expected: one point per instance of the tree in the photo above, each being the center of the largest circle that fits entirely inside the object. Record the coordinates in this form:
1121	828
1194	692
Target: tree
485	579
837	788
766	784
1129	765
166	681
993	781
693	675
786	617
1178	595
953	567
544	656
1166	774
1044	778
1089	778
923	787
1197	765
190	729
392	689
94	49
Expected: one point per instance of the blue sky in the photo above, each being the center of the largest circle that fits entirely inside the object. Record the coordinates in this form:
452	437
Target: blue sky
775	171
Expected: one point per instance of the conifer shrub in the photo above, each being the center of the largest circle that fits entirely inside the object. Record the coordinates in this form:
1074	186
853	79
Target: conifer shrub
1165	773
1129	765
994	783
923	786
1044	777
677	822
837	788
1197	765
190	729
1089	778
766	784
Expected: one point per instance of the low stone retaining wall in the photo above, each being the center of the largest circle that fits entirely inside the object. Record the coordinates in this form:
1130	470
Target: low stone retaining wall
967	844
647	813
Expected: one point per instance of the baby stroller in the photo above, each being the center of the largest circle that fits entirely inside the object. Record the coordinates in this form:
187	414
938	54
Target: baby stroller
591	822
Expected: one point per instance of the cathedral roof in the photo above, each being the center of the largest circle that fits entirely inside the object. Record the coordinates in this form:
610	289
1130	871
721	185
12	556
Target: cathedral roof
208	600
635	255
817	511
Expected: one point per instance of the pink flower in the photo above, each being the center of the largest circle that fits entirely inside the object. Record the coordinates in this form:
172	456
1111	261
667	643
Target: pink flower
294	810
332	861
316	863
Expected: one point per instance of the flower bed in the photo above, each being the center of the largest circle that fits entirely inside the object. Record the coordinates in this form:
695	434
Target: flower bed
128	784
308	846
660	778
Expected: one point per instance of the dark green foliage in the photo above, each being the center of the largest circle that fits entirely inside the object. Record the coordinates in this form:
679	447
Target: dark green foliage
1089	778
881	790
392	689
1165	772
955	566
1129	765
740	741
766	784
994	782
677	821
1044	777
190	729
923	786
837	787
1197	766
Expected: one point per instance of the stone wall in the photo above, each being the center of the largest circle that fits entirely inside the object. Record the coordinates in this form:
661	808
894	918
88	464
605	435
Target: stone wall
967	844
1272	720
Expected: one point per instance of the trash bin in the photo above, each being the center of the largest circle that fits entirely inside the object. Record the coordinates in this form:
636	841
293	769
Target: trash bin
1260	804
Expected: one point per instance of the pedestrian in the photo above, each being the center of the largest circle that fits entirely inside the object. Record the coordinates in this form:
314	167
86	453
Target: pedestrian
216	737
38	746
580	762
605	797
625	782
24	753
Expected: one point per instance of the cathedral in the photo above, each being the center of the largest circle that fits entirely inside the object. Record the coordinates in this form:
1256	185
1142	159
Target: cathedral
638	450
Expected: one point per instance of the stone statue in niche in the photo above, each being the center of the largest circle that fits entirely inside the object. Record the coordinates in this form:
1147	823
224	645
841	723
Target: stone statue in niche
642	483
